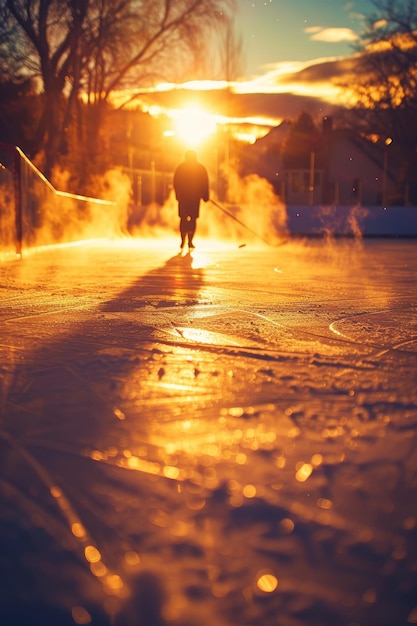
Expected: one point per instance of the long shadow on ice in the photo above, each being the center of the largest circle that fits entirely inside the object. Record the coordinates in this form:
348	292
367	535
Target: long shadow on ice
92	503
66	546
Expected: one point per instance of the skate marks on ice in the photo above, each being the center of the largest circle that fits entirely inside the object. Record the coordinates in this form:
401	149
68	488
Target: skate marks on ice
257	464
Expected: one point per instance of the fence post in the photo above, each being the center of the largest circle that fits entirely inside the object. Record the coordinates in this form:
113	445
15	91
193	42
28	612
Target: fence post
312	179
17	171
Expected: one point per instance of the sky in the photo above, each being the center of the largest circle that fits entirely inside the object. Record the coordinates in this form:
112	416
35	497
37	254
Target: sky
274	32
296	55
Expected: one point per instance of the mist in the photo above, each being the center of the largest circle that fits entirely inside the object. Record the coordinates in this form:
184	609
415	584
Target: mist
248	211
7	213
56	216
252	212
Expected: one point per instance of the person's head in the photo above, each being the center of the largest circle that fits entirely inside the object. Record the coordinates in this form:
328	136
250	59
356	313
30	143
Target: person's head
191	156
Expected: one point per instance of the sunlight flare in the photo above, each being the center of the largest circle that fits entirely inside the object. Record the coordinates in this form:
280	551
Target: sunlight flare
193	125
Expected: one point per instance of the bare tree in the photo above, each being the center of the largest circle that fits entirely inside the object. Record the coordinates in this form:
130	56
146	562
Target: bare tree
229	63
97	47
48	34
385	83
231	57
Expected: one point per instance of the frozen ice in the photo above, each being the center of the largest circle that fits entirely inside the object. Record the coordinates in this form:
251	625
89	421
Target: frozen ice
226	437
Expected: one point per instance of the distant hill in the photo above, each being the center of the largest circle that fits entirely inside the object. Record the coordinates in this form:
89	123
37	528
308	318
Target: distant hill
274	107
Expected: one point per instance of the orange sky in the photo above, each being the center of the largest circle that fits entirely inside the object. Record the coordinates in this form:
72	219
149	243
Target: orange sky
254	105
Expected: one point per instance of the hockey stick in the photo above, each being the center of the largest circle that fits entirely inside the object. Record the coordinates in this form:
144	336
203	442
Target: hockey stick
216	204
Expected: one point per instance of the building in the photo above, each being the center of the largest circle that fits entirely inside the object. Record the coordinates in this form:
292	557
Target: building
345	169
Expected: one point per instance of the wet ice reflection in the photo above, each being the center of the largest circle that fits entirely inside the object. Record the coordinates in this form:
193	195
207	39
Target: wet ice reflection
220	433
267	582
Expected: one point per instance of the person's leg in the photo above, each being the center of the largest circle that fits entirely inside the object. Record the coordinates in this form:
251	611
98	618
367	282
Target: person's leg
191	230
183	230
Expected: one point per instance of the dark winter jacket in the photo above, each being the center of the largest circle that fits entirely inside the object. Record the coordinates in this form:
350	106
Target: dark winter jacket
191	185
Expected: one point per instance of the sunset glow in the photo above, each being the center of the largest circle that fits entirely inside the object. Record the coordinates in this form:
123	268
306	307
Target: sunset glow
193	125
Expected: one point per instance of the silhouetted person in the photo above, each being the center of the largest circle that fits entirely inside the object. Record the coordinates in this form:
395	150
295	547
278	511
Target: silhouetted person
191	185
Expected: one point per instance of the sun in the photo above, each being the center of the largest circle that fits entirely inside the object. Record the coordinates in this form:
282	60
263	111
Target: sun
193	125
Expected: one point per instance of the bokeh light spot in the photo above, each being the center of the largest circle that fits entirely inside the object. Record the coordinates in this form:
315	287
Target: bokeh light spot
267	582
114	582
171	471
92	554
286	526
316	460
118	413
56	492
78	530
249	491
324	503
304	472
98	569
80	615
132	558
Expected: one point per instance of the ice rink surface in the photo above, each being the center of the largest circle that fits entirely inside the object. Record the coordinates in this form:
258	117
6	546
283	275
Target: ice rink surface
224	438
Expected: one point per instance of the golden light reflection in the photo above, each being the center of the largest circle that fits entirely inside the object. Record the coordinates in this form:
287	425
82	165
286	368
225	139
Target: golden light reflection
233	485
196	504
200	260
249	491
286	526
96	455
267	582
99	570
324	503
80	615
294	432
304	471
159	518
135	463
179	528
171	472
119	414
92	554
333	432
78	530
114	582
202	336
56	492
316	460
132	558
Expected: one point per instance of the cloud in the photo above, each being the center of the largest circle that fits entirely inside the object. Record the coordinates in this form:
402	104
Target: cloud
381	23
284	91
248	104
328	70
320	79
331	35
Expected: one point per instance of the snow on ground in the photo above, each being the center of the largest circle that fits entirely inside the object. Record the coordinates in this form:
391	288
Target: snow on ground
227	437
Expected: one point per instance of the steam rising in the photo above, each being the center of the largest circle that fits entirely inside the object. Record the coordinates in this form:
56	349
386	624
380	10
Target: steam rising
256	205
248	210
114	187
7	213
250	199
50	216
